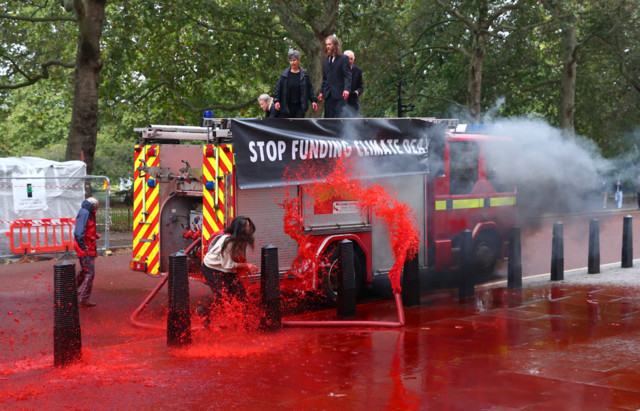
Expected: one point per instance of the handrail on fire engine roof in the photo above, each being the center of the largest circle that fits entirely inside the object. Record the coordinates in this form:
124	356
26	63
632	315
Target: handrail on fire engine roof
450	123
220	129
170	132
186	129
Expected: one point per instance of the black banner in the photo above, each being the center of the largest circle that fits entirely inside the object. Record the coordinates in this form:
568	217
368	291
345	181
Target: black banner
265	147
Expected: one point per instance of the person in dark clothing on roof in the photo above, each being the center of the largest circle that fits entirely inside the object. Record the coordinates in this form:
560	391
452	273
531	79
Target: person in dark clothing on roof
266	104
336	79
352	108
85	236
294	90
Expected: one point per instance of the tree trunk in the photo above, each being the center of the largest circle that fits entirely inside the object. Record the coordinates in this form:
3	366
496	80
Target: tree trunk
566	110
474	89
83	131
315	54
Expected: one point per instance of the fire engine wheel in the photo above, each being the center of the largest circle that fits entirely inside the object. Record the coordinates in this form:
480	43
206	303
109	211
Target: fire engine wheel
485	254
331	267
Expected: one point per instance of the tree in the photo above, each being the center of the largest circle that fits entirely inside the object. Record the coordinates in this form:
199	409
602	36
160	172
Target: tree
520	71
37	55
166	63
623	39
570	27
380	34
169	63
83	132
609	87
481	19
308	23
36	118
563	15
35	50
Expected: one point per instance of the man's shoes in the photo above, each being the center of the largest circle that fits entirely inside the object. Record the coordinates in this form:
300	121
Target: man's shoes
87	303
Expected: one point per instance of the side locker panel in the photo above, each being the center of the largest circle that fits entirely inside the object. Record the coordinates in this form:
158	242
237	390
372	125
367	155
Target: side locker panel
146	209
410	190
261	205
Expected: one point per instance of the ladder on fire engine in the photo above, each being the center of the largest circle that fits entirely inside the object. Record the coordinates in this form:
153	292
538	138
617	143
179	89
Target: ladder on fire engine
165	132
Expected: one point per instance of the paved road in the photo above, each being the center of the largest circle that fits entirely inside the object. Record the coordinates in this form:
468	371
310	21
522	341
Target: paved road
548	346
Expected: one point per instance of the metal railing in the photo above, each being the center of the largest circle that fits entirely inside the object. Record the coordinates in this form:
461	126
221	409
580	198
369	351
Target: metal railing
121	219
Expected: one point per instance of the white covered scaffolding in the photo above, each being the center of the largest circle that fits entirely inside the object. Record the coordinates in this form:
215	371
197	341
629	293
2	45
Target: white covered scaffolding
39	200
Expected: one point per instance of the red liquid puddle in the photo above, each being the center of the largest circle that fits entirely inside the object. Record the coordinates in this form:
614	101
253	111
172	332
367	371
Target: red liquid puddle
340	182
232	320
219	343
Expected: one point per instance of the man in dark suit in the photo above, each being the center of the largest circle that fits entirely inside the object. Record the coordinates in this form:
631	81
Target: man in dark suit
353	102
336	79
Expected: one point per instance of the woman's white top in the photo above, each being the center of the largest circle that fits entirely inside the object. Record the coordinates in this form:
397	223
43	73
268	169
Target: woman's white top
215	260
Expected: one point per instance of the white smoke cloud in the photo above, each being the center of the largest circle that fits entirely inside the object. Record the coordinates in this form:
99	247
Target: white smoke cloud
494	111
552	172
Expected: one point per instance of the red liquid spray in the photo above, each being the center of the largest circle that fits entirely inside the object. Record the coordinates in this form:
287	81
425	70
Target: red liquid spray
341	181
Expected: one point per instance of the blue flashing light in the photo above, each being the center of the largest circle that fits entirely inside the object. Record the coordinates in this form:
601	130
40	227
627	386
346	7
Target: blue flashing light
209	185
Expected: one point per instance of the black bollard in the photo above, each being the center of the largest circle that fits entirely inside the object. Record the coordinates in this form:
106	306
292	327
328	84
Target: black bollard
514	266
179	317
594	247
557	252
627	242
411	282
67	338
466	276
347	282
270	289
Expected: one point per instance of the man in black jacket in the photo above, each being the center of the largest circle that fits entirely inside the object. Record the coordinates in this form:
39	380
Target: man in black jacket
353	102
336	79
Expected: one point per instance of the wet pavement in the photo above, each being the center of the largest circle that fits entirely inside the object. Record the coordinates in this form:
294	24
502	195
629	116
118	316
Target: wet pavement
563	345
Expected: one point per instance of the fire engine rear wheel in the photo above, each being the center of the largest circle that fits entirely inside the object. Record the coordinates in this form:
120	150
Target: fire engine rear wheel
485	253
331	267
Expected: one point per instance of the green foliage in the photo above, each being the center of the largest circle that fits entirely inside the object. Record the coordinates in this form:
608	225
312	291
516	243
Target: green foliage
169	63
597	89
36	116
166	63
44	33
113	158
36	120
377	33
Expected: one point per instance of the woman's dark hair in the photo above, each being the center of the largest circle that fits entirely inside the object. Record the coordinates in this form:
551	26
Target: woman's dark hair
240	236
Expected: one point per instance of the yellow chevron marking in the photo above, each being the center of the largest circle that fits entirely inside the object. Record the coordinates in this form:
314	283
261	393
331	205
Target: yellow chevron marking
225	158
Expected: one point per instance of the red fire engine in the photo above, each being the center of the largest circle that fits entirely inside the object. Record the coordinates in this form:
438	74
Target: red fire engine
190	182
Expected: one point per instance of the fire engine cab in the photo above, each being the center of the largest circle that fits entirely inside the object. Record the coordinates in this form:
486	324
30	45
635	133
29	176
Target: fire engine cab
190	182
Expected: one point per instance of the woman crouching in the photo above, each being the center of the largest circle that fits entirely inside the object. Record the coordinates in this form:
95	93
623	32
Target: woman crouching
225	259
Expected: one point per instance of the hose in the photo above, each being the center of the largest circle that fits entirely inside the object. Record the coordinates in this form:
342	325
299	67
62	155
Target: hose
287	323
134	320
